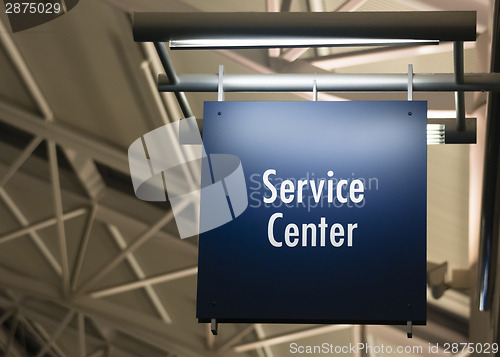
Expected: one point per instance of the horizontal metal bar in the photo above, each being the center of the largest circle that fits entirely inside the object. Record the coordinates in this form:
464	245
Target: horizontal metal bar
418	25
331	82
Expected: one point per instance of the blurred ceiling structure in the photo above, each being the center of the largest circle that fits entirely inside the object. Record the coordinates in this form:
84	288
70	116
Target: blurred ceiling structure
87	269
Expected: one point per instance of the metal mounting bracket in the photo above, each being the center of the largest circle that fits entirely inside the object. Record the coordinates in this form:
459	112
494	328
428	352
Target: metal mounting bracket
214	327
220	88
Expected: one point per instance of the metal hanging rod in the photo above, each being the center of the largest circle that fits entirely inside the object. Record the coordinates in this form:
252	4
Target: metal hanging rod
286	29
330	82
422	25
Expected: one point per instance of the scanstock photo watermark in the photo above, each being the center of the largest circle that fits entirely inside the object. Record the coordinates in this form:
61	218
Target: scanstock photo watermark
207	191
353	349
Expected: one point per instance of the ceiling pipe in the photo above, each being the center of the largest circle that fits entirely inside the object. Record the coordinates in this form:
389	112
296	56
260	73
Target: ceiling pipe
330	82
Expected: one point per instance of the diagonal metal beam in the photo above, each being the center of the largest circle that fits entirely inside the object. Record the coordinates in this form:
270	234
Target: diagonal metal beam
381	54
41	336
24	71
286	5
259	68
294	53
163	278
12	332
139	273
82	249
261	335
66	137
35	237
111	315
59	330
87	173
56	191
131	248
40	225
351	5
235	339
20	160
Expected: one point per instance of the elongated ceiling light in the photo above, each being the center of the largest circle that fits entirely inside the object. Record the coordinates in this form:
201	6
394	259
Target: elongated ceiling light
196	30
202	43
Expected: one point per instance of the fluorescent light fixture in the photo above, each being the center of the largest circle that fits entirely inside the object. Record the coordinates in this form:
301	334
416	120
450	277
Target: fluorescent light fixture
435	134
214	43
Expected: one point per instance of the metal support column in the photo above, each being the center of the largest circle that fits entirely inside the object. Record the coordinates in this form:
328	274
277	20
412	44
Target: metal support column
168	66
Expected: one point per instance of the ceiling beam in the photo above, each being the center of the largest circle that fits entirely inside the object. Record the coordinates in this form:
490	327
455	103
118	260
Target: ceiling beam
286	5
273	6
58	209
235	339
144	282
262	336
95	148
20	160
25	73
59	330
43	336
317	6
42	224
87	173
294	53
288	337
351	5
140	275
381	54
35	237
82	248
142	326
143	238
133	223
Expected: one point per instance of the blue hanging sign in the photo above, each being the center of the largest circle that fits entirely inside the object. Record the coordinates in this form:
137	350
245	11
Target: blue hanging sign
335	225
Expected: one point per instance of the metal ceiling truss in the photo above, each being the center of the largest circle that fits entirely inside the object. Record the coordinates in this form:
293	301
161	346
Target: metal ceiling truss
63	270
